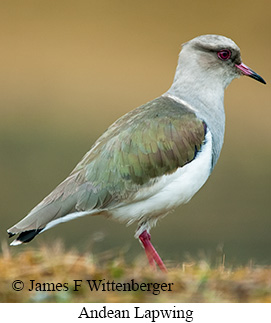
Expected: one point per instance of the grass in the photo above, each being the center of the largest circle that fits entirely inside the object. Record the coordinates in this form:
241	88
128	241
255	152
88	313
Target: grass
194	281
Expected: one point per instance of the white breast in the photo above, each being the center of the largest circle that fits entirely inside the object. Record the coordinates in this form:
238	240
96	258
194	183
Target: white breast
165	195
170	191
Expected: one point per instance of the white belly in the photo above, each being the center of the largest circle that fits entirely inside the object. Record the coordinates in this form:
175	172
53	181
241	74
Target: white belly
165	195
170	191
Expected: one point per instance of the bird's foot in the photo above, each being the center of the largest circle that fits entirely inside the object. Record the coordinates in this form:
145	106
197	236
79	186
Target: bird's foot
151	253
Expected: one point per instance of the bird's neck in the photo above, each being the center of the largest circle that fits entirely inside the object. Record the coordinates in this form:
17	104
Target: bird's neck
206	96
198	89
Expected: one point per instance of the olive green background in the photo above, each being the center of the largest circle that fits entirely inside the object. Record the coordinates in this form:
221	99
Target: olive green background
69	69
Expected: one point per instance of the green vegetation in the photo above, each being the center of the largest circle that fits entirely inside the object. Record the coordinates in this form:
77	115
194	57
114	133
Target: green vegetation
193	281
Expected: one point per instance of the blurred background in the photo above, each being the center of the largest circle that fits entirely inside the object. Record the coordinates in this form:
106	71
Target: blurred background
70	68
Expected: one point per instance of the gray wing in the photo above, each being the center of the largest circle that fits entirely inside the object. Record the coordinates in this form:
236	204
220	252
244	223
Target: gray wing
148	142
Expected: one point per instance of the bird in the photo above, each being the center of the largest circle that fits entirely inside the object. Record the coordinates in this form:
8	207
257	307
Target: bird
155	157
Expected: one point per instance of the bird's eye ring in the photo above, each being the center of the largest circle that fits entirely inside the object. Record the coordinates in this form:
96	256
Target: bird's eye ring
224	54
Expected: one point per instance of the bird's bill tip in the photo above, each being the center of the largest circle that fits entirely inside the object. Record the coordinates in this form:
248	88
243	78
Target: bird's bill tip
245	70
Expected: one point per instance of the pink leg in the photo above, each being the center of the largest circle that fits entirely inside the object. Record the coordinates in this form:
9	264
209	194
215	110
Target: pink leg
151	253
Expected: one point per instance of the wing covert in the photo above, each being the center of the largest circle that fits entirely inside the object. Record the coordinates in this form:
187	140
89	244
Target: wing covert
150	141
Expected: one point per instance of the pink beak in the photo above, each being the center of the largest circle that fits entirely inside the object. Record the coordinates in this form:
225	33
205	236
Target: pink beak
245	70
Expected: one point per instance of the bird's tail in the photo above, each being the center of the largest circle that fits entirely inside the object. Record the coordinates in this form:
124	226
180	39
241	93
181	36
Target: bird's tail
43	216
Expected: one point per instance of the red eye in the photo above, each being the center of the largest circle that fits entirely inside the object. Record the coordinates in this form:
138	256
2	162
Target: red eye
224	54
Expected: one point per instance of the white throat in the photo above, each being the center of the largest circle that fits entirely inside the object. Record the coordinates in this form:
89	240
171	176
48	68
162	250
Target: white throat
203	90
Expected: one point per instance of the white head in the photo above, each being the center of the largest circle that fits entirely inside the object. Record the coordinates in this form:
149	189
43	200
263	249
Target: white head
210	61
207	64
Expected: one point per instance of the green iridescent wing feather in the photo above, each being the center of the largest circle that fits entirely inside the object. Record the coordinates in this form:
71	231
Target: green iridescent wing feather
146	143
150	141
